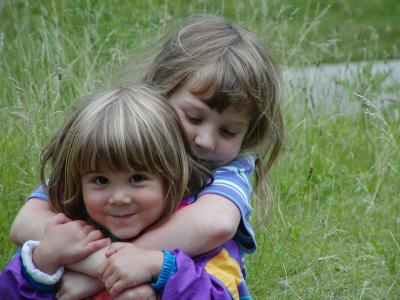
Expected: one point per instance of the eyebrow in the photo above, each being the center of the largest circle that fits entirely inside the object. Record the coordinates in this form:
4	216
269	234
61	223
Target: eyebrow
235	123
219	101
212	103
239	123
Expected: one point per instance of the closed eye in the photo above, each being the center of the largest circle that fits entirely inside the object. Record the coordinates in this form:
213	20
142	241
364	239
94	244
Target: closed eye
228	133
193	118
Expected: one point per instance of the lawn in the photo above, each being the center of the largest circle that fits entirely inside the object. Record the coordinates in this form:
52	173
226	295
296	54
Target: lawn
334	230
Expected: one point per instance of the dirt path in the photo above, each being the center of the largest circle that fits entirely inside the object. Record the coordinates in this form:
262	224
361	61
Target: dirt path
332	85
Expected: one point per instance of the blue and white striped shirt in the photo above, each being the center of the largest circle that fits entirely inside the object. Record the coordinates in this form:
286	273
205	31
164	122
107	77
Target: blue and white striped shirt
234	182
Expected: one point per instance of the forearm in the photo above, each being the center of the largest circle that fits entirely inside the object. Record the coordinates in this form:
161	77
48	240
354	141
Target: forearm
30	222
74	285
91	264
209	222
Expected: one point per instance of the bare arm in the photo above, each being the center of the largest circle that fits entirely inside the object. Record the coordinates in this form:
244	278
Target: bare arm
197	228
74	285
30	222
206	224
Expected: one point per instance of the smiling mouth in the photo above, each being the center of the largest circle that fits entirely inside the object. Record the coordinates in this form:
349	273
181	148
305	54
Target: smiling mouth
122	216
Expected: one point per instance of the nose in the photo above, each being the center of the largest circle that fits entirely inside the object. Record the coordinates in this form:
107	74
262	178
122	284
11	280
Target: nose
205	140
119	197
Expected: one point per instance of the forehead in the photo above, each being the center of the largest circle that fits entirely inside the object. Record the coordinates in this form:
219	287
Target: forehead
188	101
224	102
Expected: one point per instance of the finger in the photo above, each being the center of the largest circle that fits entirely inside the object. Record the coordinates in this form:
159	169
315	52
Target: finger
147	292
63	218
119	286
96	245
89	228
107	271
129	294
137	293
93	235
111	280
58	219
102	269
111	250
114	248
81	222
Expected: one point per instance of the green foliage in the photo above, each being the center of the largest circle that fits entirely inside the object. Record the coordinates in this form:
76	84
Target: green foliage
334	229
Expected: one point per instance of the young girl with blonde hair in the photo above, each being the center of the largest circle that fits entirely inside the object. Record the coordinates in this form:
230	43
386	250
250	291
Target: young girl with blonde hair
119	165
225	87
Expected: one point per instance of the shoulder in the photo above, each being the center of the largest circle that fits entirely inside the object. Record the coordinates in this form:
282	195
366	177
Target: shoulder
245	159
39	193
244	162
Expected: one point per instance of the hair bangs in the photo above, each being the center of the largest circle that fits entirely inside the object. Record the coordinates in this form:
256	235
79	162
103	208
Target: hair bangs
216	84
113	140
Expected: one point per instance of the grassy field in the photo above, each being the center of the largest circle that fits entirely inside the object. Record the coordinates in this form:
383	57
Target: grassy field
334	232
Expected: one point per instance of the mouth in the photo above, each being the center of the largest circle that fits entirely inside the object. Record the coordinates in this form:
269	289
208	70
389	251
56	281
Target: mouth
122	217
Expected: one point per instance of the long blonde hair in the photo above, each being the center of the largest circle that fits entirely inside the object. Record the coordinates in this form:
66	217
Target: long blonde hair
227	63
121	129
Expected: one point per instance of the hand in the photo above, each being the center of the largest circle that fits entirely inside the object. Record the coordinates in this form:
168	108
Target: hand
128	266
141	292
65	242
74	285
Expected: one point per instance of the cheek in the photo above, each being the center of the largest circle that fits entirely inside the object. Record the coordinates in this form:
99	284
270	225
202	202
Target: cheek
230	149
159	203
190	129
92	202
151	196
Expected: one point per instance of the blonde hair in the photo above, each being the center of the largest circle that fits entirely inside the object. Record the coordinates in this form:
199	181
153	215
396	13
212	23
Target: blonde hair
226	63
125	128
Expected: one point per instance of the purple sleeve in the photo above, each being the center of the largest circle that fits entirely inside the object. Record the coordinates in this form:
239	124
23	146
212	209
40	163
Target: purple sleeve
40	193
191	281
14	286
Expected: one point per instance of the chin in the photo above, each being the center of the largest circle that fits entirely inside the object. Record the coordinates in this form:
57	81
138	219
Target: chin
209	164
125	235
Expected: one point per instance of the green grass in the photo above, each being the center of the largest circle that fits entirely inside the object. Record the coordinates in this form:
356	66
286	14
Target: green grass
334	231
334	228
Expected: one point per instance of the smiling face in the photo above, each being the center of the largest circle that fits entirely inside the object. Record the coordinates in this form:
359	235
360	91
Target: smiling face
217	136
124	203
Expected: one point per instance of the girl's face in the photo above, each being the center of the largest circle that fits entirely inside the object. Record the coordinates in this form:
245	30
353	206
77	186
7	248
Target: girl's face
124	203
217	136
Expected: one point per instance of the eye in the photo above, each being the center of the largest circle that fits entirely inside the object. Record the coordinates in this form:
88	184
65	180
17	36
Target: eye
137	178
100	180
193	118
228	133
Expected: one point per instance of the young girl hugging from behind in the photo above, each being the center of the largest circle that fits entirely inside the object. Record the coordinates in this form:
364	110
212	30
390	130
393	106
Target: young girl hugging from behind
225	88
119	165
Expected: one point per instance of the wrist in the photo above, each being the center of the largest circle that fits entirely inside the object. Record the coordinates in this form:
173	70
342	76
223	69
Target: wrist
167	270
43	260
34	276
157	260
